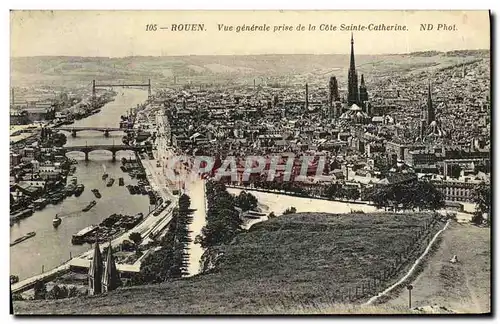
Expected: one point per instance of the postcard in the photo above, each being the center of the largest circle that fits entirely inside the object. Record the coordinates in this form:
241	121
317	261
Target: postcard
250	162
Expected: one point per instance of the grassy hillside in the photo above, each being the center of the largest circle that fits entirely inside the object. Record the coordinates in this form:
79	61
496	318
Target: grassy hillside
294	263
463	286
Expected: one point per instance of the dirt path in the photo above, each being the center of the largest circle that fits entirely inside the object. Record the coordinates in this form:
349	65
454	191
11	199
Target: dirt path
463	287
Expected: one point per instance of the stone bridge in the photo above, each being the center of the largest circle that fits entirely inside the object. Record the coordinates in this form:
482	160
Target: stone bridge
101	147
105	130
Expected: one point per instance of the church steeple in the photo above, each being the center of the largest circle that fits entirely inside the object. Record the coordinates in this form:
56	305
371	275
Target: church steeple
111	279
307	97
363	95
352	79
431	116
352	64
95	272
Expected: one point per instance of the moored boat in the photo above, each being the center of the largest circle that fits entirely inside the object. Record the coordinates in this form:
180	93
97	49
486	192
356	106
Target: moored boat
79	237
121	182
105	176
79	190
40	203
70	189
14	279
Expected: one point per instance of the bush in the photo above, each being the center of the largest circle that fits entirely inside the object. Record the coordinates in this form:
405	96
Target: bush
17	297
291	210
246	201
135	237
451	215
40	290
57	292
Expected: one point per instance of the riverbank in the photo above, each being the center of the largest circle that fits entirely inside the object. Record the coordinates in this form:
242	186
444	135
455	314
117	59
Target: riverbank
51	246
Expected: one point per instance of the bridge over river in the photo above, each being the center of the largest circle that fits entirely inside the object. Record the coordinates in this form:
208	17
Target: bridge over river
105	130
102	147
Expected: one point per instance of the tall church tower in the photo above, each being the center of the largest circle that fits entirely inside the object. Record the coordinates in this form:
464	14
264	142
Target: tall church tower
363	94
111	279
307	98
352	79
333	97
95	272
430	116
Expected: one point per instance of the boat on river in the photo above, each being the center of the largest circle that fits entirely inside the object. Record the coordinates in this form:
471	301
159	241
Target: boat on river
14	279
96	193
121	182
56	198
79	190
89	206
110	182
56	221
70	190
40	203
79	238
105	176
23	238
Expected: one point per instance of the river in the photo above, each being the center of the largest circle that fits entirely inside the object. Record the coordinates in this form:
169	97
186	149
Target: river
51	247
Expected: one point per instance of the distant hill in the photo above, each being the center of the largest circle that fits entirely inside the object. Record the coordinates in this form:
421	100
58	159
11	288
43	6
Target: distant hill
71	71
477	53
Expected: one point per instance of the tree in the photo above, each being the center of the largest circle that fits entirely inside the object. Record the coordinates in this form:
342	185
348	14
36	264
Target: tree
40	290
57	292
135	237
352	194
421	194
72	292
246	201
380	196
271	215
482	199
291	210
17	297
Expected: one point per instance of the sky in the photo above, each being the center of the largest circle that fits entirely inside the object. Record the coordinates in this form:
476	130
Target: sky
123	33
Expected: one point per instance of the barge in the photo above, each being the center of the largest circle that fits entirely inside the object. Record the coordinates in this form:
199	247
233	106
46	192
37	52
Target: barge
80	237
89	206
23	238
79	190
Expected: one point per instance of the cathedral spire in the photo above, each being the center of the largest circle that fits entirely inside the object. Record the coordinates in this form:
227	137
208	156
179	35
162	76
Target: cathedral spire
95	271
430	109
111	279
307	97
352	64
352	79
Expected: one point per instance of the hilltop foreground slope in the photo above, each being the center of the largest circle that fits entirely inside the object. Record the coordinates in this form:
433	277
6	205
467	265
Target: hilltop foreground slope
294	264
